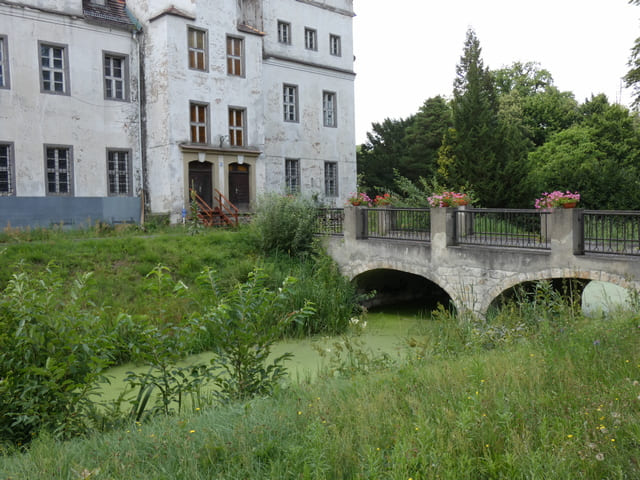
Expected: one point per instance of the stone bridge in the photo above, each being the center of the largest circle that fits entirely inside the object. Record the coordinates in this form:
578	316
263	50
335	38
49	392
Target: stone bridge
474	275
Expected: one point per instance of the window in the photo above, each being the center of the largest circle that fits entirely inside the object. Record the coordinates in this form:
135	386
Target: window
199	122
59	170
119	172
334	45
292	175
331	179
4	62
115	77
235	56
7	182
236	127
284	32
310	39
54	69
290	102
197	41
329	109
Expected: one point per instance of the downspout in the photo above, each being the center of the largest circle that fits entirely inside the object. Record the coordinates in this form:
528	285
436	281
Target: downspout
138	36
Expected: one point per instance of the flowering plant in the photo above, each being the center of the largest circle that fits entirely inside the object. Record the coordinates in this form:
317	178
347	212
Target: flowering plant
448	199
556	199
357	199
382	200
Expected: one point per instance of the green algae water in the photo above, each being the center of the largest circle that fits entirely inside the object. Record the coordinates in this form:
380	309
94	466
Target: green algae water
387	331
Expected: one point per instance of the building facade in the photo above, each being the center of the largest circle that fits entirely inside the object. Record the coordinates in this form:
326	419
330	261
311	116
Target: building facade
104	102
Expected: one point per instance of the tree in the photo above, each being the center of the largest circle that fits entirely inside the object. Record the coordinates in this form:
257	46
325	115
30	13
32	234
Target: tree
477	150
382	153
632	78
424	138
597	157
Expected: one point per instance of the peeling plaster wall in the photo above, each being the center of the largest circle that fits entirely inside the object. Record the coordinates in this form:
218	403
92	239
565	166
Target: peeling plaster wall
83	120
313	72
171	85
72	7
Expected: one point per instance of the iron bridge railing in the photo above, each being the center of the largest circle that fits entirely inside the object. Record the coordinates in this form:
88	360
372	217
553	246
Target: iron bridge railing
612	232
399	223
497	227
605	231
330	221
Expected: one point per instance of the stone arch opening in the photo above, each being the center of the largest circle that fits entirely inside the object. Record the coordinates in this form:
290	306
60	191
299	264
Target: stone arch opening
394	287
570	290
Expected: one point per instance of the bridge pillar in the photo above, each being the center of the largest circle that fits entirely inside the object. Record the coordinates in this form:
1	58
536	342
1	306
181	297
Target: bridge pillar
355	224
567	232
443	232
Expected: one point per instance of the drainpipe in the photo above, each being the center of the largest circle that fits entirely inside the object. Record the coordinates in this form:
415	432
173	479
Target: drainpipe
138	36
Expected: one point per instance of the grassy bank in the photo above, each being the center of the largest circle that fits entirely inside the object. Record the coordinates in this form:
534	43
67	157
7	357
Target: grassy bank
556	404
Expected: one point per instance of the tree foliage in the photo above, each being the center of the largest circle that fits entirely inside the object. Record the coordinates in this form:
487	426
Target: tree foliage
507	135
597	156
484	150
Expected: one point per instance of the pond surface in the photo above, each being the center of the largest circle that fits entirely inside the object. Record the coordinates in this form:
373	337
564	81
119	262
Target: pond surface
386	331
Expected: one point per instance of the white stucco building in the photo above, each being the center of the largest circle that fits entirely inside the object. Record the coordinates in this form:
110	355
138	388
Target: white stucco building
99	99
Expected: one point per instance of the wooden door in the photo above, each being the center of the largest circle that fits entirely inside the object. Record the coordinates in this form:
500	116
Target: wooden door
239	190
200	180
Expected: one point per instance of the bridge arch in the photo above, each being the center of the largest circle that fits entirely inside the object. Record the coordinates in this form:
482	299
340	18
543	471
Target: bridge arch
439	290
551	274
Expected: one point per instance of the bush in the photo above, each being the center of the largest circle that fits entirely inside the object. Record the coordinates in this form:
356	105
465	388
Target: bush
52	356
284	224
333	296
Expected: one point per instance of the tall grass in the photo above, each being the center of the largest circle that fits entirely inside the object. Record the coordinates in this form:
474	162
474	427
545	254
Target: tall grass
548	406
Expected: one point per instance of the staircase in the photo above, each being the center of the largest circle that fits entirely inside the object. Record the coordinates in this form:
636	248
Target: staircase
223	213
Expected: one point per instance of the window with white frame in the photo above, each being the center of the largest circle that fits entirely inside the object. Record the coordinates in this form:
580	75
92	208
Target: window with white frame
331	179
335	47
284	32
310	39
199	122
54	68
7	169
290	103
4	62
119	173
236	127
59	169
292	175
197	45
115	77
329	109
235	56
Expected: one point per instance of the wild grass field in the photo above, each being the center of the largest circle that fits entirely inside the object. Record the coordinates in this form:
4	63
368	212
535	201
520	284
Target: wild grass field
538	391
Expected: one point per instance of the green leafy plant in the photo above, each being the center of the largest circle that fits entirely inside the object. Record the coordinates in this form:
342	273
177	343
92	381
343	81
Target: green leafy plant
284	224
246	323
52	356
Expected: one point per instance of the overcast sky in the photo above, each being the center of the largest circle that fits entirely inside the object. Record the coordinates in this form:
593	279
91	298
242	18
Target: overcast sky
407	50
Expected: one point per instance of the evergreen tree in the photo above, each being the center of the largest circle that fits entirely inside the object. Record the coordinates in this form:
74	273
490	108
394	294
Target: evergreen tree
424	138
383	152
475	152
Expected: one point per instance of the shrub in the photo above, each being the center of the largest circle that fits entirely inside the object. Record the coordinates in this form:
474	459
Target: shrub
246	323
284	224
52	356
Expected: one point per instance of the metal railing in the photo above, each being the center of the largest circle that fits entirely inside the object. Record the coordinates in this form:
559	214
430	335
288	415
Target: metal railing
612	232
399	223
502	228
330	221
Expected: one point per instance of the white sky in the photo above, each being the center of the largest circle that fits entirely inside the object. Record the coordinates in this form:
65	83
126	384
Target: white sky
407	50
